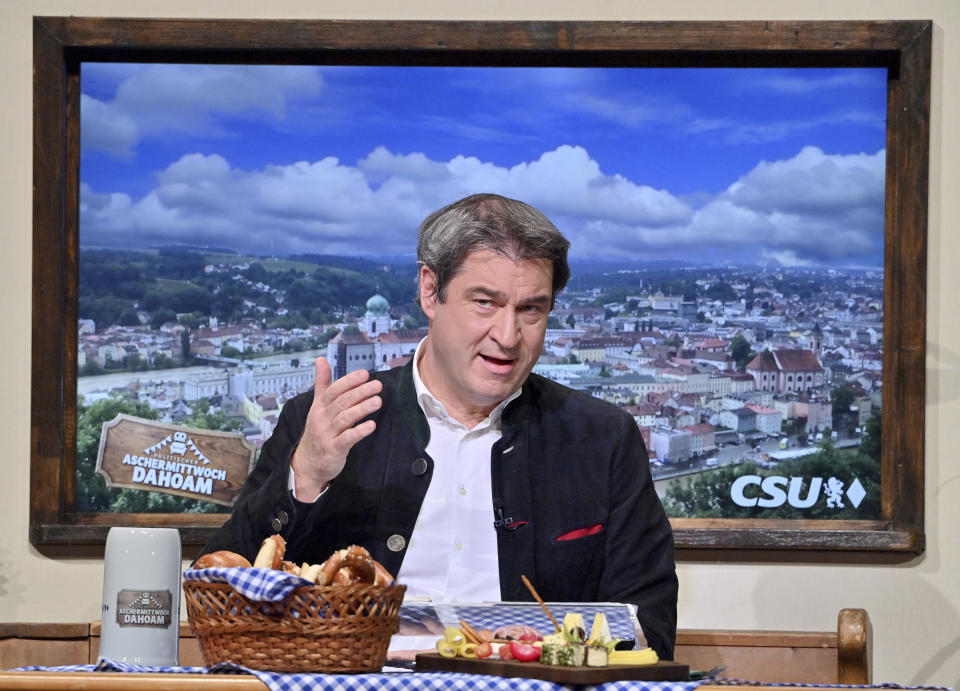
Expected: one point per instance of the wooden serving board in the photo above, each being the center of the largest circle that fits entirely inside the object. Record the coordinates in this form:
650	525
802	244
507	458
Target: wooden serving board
662	671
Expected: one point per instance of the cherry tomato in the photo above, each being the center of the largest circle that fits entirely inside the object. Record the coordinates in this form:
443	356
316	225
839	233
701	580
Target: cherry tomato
524	651
530	636
504	653
483	649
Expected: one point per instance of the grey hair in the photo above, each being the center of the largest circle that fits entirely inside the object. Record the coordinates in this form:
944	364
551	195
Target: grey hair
489	222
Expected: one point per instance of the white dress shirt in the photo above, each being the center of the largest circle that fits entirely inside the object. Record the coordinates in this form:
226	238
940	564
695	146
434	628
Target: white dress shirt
452	554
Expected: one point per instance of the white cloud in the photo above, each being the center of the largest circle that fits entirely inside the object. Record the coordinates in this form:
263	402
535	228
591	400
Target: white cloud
797	83
374	207
813	207
107	128
187	98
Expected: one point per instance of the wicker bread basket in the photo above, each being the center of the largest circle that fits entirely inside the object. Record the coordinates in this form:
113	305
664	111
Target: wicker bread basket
338	628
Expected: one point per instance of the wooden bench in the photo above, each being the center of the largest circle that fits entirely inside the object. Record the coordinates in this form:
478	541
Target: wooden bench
841	656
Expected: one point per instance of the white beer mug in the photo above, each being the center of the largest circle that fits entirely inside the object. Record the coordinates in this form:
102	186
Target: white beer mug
141	597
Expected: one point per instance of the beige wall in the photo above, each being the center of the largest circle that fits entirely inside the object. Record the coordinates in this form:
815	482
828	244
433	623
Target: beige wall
915	607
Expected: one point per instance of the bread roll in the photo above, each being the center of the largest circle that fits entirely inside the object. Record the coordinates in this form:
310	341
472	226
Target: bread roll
223	559
271	552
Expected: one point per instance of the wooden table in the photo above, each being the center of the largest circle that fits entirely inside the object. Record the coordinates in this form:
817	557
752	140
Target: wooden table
118	681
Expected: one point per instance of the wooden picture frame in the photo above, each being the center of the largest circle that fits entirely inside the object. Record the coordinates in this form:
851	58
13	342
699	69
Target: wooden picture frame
903	48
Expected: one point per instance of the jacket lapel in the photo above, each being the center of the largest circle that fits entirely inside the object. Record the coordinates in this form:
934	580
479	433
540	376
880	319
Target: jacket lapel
512	481
407	476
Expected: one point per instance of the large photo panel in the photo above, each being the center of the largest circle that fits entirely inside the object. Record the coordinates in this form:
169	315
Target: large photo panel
747	221
727	249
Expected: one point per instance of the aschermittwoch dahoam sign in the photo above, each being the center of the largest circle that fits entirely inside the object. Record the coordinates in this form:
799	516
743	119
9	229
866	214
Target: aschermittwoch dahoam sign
189	462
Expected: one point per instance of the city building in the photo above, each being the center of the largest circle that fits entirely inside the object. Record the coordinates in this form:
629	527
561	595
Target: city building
768	419
373	344
786	371
670	445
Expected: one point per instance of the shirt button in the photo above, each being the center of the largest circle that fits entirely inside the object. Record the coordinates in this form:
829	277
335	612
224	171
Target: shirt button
462	490
396	542
419	467
458	545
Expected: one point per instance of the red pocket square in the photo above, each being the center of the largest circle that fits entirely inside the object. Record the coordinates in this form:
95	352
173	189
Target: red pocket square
580	532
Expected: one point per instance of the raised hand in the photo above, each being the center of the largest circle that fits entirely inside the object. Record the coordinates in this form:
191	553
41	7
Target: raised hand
331	428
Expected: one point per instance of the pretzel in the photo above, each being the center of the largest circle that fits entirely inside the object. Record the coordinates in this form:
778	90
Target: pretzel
351	565
271	553
289	567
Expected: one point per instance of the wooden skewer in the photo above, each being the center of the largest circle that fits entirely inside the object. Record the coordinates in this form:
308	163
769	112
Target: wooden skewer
536	596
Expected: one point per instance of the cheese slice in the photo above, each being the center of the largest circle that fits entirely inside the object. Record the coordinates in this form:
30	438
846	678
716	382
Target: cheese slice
574	627
600	631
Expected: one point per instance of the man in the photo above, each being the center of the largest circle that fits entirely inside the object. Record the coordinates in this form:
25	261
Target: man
463	470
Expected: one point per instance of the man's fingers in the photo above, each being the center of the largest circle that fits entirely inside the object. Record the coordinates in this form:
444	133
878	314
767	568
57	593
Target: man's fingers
352	435
322	378
354	396
346	383
348	417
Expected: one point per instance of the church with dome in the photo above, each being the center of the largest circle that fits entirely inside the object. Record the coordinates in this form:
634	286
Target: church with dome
375	344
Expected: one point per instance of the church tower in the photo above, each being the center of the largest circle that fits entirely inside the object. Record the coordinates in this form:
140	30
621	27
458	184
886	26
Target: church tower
377	318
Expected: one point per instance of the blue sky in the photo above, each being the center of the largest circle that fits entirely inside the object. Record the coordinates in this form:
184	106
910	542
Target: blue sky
751	165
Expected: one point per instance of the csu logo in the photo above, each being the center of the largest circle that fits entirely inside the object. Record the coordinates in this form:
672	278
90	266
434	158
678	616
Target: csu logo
775	490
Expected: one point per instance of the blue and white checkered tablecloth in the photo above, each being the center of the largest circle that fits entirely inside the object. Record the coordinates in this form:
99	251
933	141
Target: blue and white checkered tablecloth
398	681
620	617
259	585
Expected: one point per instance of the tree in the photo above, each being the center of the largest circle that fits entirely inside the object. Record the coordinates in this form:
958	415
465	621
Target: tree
256	273
229	351
721	291
203	417
130	317
191	320
870	444
740	352
161	317
90	368
842	398
162	361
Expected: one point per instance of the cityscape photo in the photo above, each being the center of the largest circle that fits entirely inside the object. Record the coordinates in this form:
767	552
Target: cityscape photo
726	229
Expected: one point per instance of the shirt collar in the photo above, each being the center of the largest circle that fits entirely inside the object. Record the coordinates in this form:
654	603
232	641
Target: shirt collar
432	407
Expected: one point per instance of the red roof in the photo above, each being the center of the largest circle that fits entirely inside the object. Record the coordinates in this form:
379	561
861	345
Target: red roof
763	362
786	361
798	361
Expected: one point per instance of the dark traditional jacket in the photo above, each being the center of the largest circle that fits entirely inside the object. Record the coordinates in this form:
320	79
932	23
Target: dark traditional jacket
573	500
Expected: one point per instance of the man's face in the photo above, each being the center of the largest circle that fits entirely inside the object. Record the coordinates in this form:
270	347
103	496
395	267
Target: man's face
486	337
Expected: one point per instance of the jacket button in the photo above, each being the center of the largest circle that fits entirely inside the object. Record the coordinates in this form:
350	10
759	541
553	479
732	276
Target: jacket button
276	524
419	467
284	517
396	542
